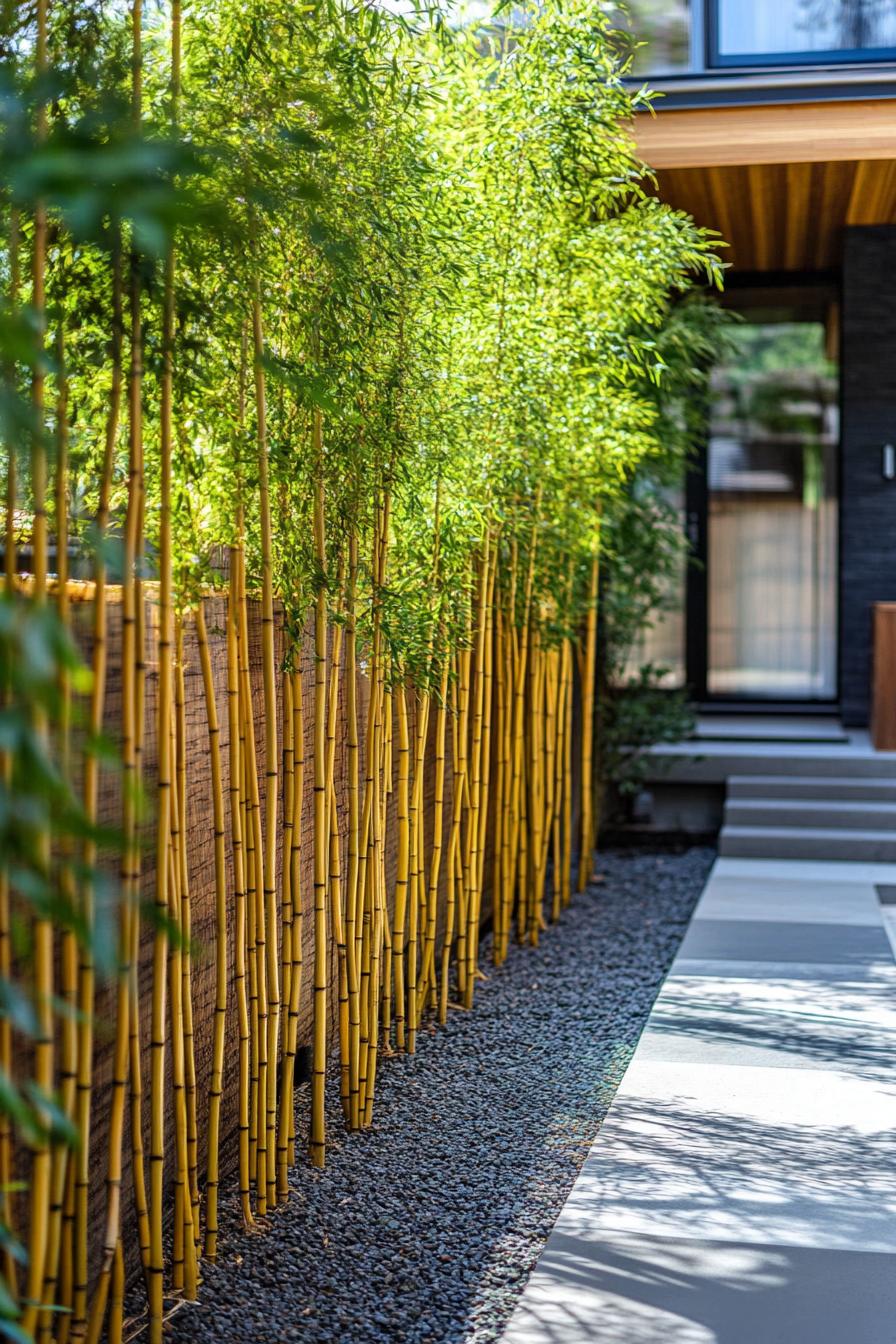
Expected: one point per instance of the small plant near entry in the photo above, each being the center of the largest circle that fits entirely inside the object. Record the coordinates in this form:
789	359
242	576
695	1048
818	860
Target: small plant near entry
380	309
634	716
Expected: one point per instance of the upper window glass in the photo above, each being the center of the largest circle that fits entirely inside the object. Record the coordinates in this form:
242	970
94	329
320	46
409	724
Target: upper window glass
780	32
660	34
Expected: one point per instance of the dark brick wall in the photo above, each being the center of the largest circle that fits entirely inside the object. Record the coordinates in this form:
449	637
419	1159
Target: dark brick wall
868	502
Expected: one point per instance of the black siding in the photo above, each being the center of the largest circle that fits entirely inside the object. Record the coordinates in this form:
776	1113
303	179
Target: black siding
868	502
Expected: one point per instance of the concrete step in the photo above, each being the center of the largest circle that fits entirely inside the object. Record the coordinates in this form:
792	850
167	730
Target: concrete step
833	789
792	842
770	728
715	762
814	814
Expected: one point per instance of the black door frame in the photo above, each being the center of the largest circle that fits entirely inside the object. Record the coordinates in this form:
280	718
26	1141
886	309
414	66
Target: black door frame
696	586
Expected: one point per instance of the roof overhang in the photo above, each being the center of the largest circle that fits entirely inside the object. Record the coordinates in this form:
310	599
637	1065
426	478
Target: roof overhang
779	183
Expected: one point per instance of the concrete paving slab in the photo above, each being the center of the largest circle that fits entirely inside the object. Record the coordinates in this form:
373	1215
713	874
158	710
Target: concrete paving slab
740	1153
878	973
812	871
656	1290
819	903
775	1023
760	940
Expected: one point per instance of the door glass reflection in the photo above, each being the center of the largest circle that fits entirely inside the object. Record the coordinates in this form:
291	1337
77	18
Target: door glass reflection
772	556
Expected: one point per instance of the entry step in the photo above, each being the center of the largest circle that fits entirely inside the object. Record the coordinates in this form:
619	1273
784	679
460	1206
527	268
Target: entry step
769	728
709	762
803	842
829	789
812	813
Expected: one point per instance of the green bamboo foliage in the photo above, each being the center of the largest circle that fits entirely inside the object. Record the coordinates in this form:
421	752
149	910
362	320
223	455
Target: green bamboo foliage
368	363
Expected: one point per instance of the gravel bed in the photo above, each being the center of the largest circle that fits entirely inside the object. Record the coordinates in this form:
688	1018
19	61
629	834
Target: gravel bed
424	1229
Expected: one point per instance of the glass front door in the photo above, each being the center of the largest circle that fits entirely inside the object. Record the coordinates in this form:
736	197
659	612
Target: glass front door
771	547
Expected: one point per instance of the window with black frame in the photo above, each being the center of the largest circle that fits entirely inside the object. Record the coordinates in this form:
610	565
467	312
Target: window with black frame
797	32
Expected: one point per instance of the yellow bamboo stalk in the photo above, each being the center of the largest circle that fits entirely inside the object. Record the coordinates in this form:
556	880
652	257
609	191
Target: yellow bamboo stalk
135	1036
271	750
517	840
460	701
321	830
255	913
116	1124
363	911
399	924
61	1188
77	1321
510	795
464	836
589	669
165	802
186	925
68	956
487	734
427	974
387	765
566	841
183	1267
354	832
336	915
255	936
484	701
10	562
375	924
115	1332
478	695
536	807
558	693
135	1066
125	1055
377	906
236	766
216	1080
421	720
288	767
364	917
287	1120
501	762
10	559
40	1181
520	838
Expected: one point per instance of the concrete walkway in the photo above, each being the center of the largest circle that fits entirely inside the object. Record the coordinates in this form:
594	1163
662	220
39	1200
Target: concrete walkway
743	1187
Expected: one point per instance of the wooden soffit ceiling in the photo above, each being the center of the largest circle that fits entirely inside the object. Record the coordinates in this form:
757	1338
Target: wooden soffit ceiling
779	183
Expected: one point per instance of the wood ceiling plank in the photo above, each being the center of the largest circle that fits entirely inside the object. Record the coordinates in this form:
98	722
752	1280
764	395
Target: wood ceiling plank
837	187
721	211
761	207
795	209
873	198
860	209
887	214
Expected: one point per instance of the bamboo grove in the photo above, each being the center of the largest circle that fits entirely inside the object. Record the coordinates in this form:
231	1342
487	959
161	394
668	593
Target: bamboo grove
349	322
